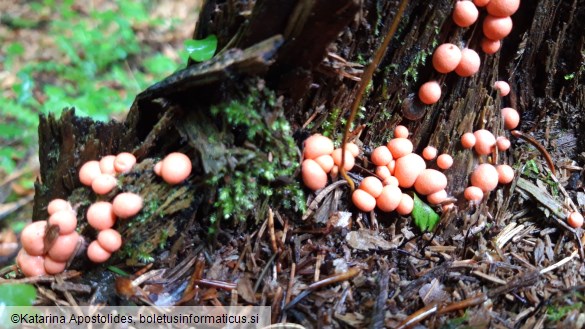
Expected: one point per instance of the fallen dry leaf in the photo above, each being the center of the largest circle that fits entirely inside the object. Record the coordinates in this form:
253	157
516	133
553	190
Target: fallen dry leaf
367	240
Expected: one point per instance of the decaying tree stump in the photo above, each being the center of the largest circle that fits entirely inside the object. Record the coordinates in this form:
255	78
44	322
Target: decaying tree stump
299	63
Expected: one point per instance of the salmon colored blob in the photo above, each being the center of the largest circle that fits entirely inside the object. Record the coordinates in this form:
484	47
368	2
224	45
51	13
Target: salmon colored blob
363	200
497	28
314	177
446	57
469	64
490	46
372	185
485	176
317	145
502	8
444	161
430	92
400	132
465	13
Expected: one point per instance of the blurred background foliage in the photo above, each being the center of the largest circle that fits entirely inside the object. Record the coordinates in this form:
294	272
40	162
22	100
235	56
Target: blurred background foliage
93	55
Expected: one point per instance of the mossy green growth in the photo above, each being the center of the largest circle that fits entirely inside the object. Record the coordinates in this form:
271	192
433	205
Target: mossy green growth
265	163
531	170
135	256
329	126
556	313
410	75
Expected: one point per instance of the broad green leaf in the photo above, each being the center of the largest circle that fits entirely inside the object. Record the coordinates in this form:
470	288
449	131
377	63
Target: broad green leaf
202	50
17	294
425	218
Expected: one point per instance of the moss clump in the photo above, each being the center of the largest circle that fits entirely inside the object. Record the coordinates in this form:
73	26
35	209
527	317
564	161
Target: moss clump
263	162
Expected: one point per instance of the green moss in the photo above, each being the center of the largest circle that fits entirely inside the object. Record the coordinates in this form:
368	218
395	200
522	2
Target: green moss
330	124
264	164
410	75
556	313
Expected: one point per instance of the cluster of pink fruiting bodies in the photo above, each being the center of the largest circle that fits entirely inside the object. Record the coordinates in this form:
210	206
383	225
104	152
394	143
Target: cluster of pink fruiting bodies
466	62
37	259
397	168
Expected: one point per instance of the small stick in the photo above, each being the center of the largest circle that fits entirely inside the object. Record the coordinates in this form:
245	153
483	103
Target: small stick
216	284
469	302
318	262
336	278
489	277
560	263
284	231
311	118
264	271
431	309
535	143
293	269
234	298
327	281
320	196
562	189
363	84
41	279
271	230
276	303
192	289
418	316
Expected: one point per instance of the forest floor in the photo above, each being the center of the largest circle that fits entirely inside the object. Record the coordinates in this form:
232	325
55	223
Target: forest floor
517	267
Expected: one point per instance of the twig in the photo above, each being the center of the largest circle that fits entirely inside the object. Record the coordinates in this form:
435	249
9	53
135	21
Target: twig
469	302
431	309
276	303
336	278
43	278
264	271
318	262
216	284
192	289
68	295
311	118
564	192
489	277
327	281
8	209
418	316
560	263
320	196
363	84
271	231
535	143
508	233
291	278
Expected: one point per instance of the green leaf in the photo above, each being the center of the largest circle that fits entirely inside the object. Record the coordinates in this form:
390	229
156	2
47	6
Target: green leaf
118	271
22	295
201	50
425	218
17	294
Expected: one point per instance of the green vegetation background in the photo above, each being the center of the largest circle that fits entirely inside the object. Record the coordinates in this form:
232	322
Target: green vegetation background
95	58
